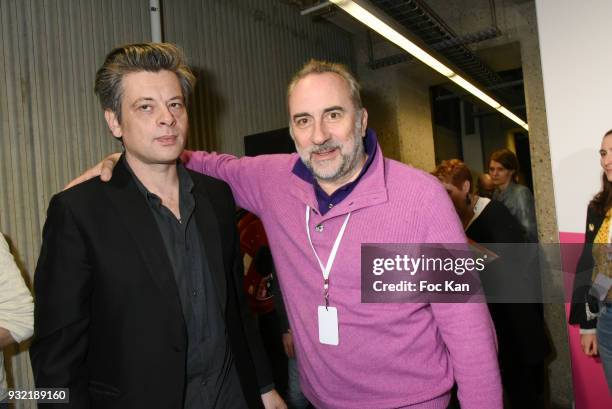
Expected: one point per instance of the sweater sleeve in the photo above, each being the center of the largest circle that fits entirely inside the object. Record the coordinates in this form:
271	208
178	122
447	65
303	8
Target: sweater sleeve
243	175
16	305
466	329
469	336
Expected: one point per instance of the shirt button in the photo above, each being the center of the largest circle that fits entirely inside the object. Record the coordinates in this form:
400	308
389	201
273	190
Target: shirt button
195	293
319	228
331	205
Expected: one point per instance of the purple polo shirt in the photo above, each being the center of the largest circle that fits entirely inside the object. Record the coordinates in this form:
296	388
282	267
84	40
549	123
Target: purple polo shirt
389	355
325	201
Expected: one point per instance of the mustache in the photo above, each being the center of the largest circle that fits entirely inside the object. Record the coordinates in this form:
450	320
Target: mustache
329	145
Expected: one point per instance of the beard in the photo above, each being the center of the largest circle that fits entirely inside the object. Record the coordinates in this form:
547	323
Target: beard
348	161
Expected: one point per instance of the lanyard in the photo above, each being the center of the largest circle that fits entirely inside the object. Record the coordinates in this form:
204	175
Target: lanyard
332	256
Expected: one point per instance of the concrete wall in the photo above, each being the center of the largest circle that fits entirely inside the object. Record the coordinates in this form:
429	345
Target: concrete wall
398	100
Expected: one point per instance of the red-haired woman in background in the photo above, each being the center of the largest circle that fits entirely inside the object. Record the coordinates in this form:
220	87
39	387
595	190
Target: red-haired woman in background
523	345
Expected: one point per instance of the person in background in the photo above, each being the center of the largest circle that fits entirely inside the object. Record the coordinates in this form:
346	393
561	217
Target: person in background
265	298
294	397
16	310
503	168
486	187
523	344
592	297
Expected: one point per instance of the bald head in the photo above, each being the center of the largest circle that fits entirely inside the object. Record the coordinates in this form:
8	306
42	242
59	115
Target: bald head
485	185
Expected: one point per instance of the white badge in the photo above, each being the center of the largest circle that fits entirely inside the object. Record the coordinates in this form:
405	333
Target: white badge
328	325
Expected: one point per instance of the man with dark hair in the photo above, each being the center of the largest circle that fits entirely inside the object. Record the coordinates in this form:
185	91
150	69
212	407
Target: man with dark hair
139	302
338	192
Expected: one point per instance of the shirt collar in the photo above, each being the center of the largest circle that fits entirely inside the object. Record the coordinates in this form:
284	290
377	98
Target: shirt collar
185	181
325	201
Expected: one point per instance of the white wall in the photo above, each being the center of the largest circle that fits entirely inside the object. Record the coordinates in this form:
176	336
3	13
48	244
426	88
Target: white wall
577	70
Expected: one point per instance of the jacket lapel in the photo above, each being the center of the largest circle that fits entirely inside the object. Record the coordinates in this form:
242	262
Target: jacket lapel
595	220
208	226
139	221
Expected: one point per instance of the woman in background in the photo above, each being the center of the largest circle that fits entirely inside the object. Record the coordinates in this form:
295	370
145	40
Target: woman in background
523	344
595	266
503	169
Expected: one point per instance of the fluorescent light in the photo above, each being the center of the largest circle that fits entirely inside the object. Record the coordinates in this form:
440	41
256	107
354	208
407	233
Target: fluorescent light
369	19
392	35
515	118
472	89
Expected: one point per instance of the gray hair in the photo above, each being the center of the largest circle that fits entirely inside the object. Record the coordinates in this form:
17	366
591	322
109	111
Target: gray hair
320	67
129	58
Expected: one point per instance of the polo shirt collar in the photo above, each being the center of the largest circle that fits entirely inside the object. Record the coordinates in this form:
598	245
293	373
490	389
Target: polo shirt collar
324	201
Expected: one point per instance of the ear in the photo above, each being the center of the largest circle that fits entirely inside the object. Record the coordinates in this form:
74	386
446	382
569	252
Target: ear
465	188
364	121
113	123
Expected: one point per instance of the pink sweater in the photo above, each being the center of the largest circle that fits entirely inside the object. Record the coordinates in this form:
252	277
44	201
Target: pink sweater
389	355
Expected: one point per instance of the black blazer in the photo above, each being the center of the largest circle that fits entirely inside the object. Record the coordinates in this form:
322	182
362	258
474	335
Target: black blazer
584	271
108	320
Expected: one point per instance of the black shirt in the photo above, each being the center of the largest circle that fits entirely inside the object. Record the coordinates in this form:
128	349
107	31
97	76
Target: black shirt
211	379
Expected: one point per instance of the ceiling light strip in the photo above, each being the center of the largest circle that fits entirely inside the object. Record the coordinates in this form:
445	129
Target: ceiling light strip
366	17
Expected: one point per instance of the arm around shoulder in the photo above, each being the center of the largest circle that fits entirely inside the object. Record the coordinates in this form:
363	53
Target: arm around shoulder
246	176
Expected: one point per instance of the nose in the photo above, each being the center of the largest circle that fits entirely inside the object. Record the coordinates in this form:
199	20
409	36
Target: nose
166	118
319	133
